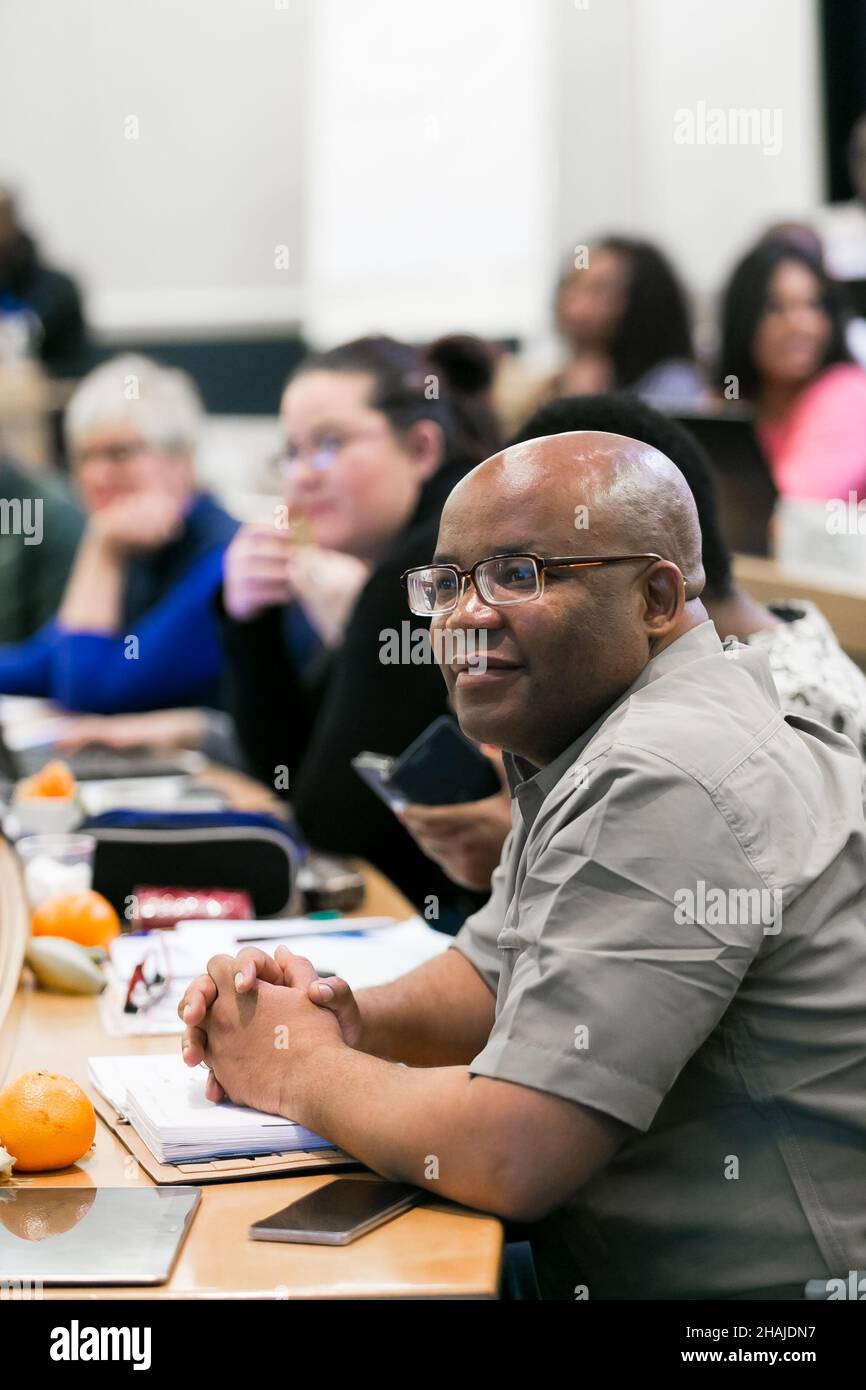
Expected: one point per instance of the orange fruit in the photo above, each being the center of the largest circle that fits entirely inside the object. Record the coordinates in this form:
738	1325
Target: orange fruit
46	1121
54	779
85	917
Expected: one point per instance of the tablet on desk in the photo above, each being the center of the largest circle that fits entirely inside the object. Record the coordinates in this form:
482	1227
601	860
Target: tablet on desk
92	1235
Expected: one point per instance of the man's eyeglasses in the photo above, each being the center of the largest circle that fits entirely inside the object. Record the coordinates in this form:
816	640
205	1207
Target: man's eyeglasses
500	580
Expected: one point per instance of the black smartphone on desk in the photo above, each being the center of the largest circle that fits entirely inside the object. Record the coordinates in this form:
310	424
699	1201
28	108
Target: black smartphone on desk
441	768
338	1213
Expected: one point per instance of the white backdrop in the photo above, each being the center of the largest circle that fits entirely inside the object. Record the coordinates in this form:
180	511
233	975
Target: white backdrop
177	227
425	166
431	166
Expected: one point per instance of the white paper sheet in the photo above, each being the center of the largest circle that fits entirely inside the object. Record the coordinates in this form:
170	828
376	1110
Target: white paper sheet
372	957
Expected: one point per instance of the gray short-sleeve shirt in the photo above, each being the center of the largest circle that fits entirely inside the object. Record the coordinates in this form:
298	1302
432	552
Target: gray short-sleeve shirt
677	937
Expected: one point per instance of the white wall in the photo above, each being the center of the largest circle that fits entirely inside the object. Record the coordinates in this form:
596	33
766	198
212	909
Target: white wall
426	165
177	228
626	67
431	166
707	201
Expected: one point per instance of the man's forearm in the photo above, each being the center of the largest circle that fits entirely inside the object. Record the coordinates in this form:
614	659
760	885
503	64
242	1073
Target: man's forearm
425	1126
439	1015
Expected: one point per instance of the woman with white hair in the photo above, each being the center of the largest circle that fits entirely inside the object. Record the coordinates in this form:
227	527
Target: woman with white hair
135	629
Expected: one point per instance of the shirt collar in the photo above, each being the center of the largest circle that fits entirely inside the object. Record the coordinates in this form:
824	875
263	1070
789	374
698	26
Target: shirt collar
531	785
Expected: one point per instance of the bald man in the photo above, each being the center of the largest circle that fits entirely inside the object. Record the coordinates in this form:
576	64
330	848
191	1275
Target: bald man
651	1042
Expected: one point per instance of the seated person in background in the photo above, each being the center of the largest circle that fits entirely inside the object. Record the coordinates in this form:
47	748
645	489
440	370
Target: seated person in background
37	547
783	341
48	298
812	674
136	628
651	1042
806	239
625	319
377	433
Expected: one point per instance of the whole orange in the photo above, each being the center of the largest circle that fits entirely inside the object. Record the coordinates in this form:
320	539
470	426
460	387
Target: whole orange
46	1121
87	918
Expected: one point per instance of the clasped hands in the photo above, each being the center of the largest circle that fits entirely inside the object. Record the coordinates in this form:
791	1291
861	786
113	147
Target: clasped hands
257	1022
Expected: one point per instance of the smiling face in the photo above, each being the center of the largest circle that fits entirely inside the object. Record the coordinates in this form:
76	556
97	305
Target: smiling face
556	663
353	479
794	330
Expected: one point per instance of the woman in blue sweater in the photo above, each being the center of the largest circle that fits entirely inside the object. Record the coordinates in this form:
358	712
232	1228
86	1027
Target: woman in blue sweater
136	627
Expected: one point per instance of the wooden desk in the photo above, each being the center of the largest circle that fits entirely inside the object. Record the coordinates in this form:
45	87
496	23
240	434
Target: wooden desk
841	598
438	1251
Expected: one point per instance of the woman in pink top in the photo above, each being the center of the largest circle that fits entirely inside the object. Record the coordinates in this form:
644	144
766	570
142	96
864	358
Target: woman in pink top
783	339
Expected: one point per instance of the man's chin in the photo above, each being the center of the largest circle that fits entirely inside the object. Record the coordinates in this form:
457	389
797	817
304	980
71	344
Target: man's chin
484	719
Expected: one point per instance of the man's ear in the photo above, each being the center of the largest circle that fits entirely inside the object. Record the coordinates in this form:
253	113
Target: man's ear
425	444
665	596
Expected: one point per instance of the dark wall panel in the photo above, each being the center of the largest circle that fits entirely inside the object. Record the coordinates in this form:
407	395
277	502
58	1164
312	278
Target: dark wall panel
843	29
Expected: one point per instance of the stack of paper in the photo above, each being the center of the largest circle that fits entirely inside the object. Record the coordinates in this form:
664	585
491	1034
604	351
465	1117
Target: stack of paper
165	1102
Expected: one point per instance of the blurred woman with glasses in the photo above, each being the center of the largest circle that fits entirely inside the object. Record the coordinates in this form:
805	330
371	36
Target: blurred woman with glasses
377	433
136	628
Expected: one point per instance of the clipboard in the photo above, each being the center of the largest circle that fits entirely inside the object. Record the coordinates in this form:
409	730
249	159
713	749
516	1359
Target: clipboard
292	1164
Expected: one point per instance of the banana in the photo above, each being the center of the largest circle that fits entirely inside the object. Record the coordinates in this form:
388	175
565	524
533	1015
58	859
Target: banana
63	965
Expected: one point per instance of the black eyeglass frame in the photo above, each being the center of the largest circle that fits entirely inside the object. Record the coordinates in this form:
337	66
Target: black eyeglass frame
557	562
